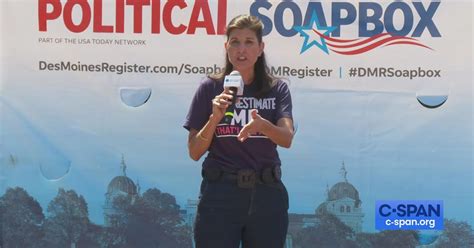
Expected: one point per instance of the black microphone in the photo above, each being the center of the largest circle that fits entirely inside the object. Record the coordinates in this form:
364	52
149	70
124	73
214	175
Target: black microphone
229	112
233	82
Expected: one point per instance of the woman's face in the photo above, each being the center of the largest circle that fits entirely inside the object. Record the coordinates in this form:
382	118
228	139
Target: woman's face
243	49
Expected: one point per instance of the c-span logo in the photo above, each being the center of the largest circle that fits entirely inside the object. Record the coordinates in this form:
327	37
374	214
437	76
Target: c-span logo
409	215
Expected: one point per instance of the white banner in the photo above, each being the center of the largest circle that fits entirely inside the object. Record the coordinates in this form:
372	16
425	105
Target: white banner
384	87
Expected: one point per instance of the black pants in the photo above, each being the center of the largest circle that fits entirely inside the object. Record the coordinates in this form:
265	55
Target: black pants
228	215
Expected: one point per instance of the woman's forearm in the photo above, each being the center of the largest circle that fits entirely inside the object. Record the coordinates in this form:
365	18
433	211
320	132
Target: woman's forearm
199	141
281	134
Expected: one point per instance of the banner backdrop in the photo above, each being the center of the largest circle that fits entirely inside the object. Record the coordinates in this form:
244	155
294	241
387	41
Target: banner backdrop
382	98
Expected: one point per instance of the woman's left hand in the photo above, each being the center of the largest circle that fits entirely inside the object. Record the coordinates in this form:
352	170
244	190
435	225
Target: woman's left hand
257	124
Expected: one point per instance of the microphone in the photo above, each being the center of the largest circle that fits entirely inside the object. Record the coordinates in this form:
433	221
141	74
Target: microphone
233	82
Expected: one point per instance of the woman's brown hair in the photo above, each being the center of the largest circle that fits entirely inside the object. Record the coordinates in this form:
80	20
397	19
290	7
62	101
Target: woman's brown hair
263	79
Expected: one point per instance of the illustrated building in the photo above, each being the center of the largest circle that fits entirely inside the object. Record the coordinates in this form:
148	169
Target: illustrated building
120	186
343	202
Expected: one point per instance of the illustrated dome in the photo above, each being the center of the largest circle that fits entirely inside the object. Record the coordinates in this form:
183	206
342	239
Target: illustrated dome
122	184
341	190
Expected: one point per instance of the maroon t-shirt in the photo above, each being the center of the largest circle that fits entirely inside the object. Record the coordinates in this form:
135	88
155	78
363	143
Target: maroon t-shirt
257	151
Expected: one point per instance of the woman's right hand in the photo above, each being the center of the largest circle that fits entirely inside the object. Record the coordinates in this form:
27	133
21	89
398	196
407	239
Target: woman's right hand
200	140
220	104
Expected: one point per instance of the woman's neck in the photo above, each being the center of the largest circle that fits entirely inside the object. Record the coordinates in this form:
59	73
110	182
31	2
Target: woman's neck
247	77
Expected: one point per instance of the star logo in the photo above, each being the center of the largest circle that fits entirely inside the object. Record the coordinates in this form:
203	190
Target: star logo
318	41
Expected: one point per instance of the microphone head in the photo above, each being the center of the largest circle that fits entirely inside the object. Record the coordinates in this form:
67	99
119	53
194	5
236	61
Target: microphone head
234	79
235	73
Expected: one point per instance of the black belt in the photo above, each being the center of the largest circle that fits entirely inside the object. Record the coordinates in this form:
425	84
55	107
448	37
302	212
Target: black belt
245	178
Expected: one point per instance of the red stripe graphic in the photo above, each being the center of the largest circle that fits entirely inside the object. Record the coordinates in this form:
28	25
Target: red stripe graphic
409	43
357	46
